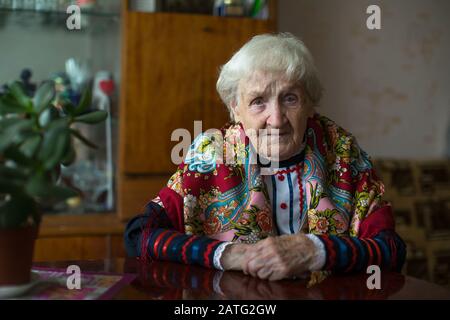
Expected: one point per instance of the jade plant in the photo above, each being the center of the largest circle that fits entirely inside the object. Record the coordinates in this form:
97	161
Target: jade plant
36	138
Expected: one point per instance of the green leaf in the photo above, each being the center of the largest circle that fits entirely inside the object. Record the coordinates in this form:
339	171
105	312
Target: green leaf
83	139
13	153
62	122
48	143
44	96
63	140
30	146
11	173
17	127
11	186
5	123
69	157
15	132
54	145
92	117
38	186
12	180
69	108
15	212
85	102
48	115
9	105
21	97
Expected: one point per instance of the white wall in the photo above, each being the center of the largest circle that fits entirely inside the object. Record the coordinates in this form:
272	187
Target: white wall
390	87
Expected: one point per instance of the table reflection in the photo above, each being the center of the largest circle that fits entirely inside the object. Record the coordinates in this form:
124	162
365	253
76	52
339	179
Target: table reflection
166	280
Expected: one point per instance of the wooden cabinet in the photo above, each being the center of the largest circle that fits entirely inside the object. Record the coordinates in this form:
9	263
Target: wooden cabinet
75	237
170	64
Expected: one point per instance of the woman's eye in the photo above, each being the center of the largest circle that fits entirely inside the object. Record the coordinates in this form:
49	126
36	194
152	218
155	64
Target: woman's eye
257	102
290	99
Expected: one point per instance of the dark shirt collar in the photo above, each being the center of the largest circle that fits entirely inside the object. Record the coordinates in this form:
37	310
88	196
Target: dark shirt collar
285	163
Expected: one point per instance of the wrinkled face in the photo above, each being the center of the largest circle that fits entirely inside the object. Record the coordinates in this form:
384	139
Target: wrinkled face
269	101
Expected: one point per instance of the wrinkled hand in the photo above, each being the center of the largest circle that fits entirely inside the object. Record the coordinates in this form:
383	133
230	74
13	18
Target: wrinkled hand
279	257
234	255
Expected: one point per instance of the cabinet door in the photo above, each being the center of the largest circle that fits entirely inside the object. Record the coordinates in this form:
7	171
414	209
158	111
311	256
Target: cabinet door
170	64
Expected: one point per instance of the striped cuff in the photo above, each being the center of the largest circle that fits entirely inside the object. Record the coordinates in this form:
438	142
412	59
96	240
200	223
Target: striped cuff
348	254
171	245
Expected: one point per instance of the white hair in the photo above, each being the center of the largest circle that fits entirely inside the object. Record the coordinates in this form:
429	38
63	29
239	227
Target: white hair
282	53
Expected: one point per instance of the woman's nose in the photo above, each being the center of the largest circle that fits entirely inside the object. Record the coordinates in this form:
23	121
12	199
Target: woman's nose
276	117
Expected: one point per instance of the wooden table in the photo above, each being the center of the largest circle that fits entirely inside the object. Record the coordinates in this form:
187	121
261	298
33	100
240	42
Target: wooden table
166	280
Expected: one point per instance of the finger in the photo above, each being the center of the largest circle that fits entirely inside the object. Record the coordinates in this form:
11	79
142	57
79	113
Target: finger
244	268
275	276
253	266
279	272
252	256
264	272
250	267
244	264
265	260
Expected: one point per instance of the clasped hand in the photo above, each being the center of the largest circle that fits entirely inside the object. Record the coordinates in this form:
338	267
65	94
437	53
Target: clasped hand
273	258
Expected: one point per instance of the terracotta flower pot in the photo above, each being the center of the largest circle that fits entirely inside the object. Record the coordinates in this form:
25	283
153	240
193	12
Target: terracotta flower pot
16	254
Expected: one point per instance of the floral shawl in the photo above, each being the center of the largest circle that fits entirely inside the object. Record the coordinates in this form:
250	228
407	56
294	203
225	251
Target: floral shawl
228	200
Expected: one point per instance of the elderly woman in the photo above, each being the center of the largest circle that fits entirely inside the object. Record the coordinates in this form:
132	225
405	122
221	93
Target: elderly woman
307	200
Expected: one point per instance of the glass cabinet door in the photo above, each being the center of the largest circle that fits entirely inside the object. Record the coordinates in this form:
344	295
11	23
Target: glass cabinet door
39	41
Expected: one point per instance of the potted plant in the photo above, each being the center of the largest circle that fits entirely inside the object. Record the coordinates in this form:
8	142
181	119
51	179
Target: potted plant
36	138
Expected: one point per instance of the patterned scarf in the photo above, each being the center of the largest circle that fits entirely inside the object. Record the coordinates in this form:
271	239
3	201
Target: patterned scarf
228	200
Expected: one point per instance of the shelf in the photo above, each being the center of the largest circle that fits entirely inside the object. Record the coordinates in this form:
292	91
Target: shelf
91	21
91	13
